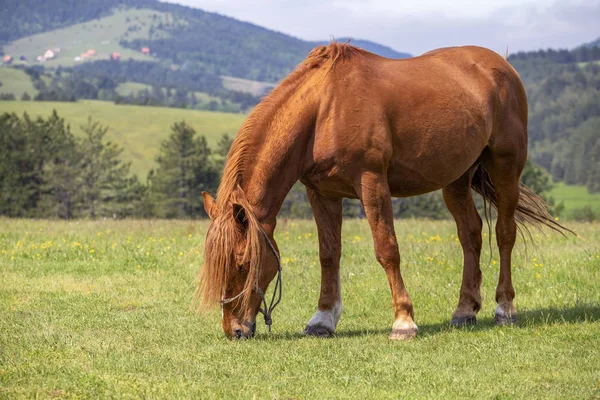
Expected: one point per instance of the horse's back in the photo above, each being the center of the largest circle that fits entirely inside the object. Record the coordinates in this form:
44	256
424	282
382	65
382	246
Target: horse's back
427	118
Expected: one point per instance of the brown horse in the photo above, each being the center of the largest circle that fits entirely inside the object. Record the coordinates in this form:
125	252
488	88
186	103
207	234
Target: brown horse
348	123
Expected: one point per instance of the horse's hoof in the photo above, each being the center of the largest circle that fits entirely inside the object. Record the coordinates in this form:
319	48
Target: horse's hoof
459	322
318	331
503	320
403	334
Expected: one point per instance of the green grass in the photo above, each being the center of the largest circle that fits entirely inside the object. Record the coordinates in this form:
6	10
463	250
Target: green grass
575	197
16	82
586	63
102	34
102	309
138	129
255	88
131	88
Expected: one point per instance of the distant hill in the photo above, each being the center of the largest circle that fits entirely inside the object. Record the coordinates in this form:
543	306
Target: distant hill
593	43
21	18
177	35
563	93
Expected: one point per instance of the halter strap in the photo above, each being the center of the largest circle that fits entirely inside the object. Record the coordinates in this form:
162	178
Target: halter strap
277	292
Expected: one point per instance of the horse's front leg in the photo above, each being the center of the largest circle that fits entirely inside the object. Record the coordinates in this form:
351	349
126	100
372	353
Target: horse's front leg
328	216
375	196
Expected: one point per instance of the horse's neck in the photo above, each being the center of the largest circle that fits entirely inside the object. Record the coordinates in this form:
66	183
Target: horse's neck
275	163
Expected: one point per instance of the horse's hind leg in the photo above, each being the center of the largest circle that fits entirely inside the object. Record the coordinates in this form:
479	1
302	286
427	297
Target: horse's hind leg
375	196
504	170
328	216
459	201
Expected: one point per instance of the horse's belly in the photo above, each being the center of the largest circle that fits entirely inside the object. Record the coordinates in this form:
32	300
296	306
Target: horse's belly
404	182
415	171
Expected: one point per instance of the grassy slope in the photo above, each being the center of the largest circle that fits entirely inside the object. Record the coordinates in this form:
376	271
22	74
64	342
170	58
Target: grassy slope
138	129
245	85
16	82
89	35
101	309
131	88
575	197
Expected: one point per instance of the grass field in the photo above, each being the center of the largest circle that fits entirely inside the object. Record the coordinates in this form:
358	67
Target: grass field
575	197
16	82
138	129
102	309
131	88
255	88
102	35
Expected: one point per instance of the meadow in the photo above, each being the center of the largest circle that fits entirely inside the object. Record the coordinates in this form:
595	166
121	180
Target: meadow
17	82
103	309
138	129
102	34
575	197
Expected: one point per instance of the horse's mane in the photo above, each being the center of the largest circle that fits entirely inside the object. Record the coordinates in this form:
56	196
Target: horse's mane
224	233
321	57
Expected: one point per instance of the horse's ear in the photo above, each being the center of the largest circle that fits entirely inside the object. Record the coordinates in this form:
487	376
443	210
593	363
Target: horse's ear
239	214
210	205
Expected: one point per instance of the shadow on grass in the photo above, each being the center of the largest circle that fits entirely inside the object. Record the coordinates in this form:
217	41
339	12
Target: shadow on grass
526	318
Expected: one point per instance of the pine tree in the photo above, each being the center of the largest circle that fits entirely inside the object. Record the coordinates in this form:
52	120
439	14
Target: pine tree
106	185
223	146
61	171
18	185
184	171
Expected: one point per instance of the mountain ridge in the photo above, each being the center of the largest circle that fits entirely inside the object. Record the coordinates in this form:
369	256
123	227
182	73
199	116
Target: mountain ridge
182	35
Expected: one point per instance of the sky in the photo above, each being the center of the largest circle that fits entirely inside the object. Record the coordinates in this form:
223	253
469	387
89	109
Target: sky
418	26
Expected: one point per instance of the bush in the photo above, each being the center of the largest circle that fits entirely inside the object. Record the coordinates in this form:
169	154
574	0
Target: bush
584	214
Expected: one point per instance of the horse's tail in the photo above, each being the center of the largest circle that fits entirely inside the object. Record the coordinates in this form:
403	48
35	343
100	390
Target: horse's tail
531	209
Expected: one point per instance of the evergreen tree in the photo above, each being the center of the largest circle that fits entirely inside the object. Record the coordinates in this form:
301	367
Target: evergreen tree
61	171
19	189
107	189
223	146
183	171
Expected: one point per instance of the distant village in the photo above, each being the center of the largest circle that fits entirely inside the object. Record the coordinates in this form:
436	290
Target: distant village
51	54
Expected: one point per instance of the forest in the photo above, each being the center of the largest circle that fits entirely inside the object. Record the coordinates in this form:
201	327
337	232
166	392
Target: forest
48	172
563	92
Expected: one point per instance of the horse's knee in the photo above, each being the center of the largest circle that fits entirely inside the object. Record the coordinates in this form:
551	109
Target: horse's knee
388	256
329	259
506	233
471	237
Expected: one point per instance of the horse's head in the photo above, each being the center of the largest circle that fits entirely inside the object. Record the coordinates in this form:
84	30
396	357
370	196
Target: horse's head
239	263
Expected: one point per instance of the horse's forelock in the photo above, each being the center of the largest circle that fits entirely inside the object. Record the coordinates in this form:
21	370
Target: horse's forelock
219	255
218	259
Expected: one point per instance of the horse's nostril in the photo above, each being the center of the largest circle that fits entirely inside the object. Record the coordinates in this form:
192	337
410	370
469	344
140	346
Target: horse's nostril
238	333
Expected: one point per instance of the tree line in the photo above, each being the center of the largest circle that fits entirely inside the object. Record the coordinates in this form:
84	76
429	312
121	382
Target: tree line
48	172
99	81
564	115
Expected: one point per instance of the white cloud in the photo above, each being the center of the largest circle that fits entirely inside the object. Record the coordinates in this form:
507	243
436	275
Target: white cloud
420	26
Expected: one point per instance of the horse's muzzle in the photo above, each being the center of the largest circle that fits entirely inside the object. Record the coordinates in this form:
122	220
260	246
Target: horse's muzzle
240	334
